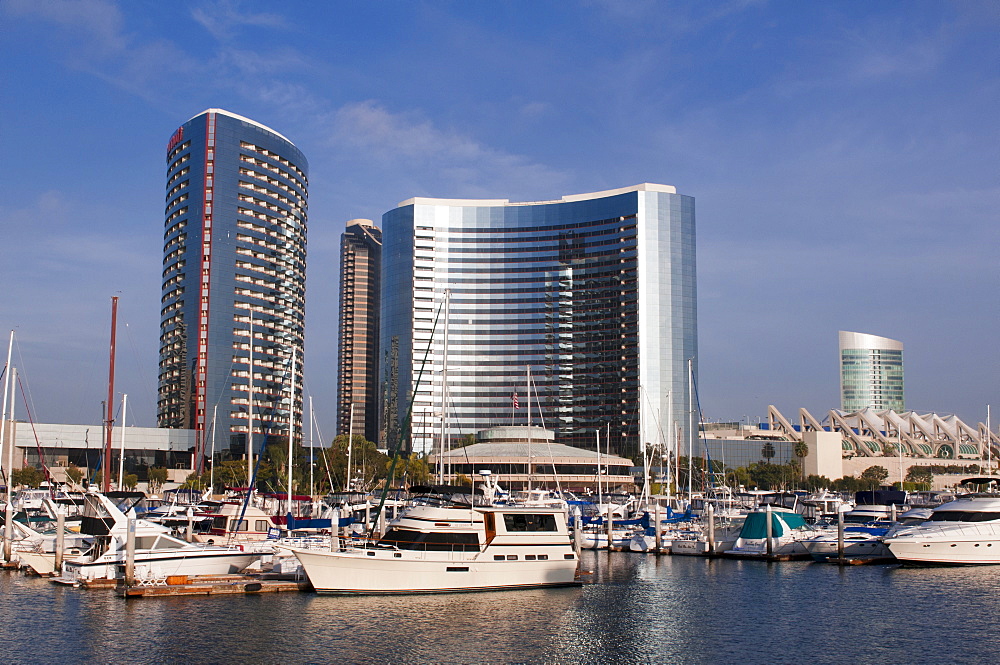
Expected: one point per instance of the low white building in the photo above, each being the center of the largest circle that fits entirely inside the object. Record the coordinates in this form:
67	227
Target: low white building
83	445
521	456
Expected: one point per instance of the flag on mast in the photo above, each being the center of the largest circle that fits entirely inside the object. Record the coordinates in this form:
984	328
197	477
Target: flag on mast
513	398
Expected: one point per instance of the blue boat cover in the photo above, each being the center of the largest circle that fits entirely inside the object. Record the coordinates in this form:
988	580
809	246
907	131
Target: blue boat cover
755	526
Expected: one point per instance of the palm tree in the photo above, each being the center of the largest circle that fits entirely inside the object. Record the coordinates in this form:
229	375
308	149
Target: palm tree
801	451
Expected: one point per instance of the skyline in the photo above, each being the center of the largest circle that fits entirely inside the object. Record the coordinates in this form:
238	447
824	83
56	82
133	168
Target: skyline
842	158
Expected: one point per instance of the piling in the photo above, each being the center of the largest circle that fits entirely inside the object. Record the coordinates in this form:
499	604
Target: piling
610	526
840	535
130	553
8	524
710	509
577	531
335	531
657	527
769	531
60	538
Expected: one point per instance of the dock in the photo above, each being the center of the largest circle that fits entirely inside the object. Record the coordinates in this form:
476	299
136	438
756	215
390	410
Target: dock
213	585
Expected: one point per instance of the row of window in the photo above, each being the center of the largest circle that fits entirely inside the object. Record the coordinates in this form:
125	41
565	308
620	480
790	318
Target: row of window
178	187
183	146
275	156
177	176
292	203
267	166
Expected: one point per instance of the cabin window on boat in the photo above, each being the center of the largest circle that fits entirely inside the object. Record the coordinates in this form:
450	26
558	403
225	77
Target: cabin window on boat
529	522
262	525
406	539
963	516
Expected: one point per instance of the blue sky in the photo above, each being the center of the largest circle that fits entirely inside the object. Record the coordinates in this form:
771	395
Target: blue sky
844	156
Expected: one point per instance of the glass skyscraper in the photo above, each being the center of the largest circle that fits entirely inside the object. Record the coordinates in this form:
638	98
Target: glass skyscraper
234	271
594	295
871	372
357	366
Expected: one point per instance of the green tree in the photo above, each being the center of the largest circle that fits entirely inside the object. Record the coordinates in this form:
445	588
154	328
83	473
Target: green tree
157	477
801	450
767	451
921	475
417	470
874	476
74	474
130	481
28	476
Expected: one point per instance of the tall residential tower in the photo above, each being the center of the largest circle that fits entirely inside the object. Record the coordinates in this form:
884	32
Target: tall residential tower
234	273
871	372
357	366
592	294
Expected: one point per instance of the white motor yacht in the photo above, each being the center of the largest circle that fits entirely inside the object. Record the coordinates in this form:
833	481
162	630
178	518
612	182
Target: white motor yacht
440	545
964	531
157	553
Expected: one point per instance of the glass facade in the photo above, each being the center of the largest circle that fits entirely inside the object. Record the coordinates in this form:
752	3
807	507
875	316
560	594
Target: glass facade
234	251
594	295
357	371
871	373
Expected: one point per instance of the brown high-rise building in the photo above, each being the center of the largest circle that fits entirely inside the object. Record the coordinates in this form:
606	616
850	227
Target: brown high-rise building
357	368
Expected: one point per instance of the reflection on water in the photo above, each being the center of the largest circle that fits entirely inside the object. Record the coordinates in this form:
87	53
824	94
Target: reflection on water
635	608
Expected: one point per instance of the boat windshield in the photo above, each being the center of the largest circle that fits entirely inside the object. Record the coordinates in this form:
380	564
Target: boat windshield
408	539
963	516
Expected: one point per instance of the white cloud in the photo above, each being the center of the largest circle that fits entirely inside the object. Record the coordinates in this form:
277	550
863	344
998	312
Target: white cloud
95	24
222	19
447	159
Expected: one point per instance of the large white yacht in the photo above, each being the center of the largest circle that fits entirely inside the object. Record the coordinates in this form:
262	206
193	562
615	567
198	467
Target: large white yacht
964	531
442	544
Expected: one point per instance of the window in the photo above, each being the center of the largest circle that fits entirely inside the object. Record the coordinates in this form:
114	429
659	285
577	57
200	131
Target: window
529	522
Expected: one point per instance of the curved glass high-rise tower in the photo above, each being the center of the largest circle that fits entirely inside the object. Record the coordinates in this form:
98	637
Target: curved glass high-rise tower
234	273
593	294
871	372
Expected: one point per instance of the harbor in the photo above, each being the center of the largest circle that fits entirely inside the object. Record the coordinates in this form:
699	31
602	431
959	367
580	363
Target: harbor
665	609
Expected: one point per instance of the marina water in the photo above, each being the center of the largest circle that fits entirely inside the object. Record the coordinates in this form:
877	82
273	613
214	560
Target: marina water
634	608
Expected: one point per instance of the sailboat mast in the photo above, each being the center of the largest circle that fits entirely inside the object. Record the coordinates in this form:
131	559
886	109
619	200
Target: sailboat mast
121	453
691	428
109	419
291	429
444	390
528	381
249	441
3	417
350	449
211	473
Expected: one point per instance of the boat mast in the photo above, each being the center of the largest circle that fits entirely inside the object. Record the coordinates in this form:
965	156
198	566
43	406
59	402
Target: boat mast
528	381
3	417
312	460
444	389
291	429
670	440
121	453
691	428
599	499
249	441
109	420
350	449
211	473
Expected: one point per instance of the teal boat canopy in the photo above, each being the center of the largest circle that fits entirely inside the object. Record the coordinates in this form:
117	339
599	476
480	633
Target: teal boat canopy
755	526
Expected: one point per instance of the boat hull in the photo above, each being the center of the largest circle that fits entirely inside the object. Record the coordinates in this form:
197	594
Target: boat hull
386	571
157	565
955	552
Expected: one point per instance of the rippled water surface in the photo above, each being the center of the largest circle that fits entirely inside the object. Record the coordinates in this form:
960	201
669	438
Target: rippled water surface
636	608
